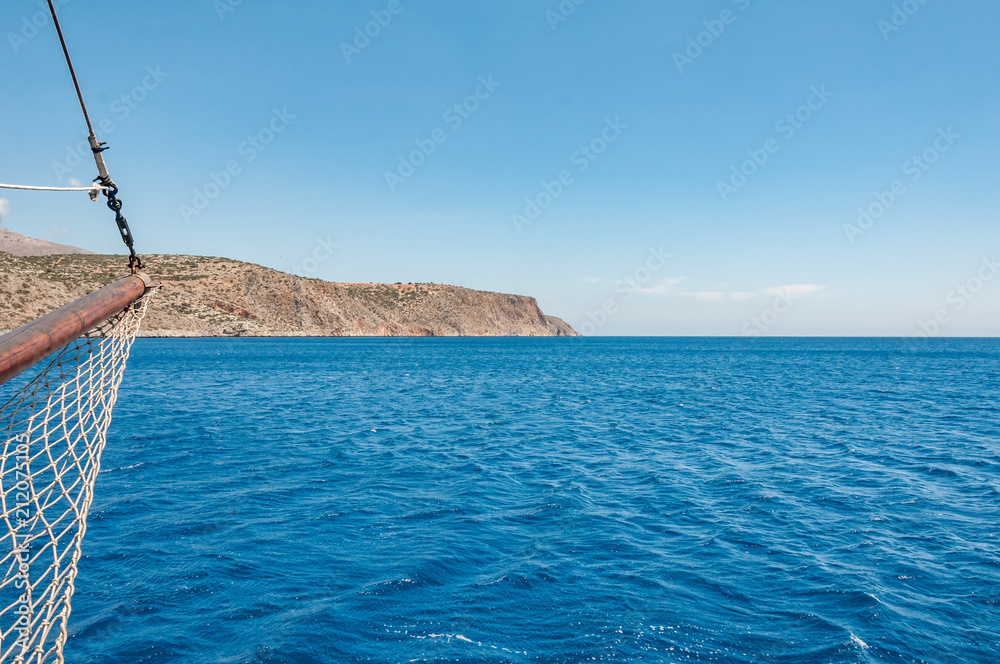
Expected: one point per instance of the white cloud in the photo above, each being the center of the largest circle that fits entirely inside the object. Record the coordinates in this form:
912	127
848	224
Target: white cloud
707	296
654	290
4	206
792	292
591	280
662	288
73	182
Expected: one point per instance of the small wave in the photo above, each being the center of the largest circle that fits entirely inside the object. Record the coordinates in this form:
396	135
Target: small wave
115	470
465	639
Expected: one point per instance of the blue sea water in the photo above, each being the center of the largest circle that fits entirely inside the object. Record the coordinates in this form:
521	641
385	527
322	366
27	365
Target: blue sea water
547	500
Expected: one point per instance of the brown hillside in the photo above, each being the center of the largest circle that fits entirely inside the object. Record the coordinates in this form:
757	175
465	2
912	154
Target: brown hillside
220	297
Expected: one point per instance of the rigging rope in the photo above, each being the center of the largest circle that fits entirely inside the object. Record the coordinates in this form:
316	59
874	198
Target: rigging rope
94	190
29	188
98	148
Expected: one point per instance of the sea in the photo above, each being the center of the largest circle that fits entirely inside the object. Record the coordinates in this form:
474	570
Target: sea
304	501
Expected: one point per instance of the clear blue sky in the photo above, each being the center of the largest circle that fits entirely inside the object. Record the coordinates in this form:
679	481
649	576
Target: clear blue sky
663	119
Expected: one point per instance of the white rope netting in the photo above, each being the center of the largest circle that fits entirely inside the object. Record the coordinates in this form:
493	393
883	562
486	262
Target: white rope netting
52	434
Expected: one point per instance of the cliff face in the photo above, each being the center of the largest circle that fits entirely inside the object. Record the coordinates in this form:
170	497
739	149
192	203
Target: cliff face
219	297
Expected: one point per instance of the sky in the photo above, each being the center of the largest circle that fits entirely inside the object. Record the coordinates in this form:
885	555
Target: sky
645	167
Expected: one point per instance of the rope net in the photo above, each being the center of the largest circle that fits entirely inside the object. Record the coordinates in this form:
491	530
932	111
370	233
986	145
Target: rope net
52	432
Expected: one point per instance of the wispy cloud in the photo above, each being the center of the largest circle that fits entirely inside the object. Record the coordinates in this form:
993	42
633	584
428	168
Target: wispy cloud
660	289
791	291
706	296
663	288
4	206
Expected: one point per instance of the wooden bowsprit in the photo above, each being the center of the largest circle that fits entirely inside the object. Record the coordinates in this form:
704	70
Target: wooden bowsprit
26	346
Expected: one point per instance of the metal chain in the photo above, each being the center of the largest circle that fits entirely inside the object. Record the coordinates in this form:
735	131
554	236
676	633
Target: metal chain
134	262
